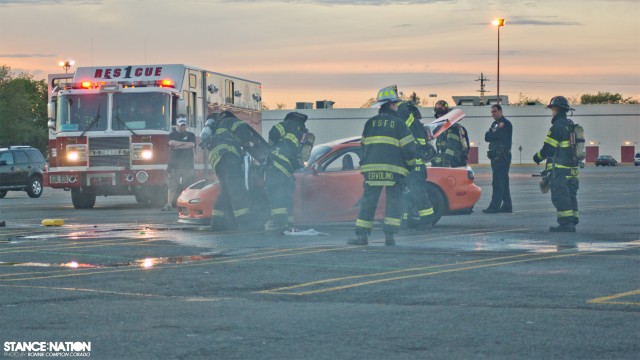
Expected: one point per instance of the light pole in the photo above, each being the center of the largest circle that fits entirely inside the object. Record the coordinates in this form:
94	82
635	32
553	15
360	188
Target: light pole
499	23
66	64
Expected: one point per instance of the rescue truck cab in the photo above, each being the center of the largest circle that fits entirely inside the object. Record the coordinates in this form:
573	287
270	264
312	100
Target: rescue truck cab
109	126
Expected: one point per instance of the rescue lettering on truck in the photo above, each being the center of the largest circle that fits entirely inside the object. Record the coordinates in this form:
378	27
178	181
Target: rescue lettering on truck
109	126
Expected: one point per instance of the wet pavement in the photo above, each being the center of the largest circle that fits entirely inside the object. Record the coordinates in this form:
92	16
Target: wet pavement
136	284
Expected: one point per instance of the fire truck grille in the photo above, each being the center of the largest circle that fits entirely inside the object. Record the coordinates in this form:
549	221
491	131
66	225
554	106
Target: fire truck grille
112	151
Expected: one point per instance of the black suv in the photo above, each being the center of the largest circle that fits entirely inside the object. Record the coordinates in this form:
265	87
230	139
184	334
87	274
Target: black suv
21	168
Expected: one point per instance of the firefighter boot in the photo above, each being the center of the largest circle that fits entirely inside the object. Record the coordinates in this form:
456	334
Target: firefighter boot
389	239
563	228
360	239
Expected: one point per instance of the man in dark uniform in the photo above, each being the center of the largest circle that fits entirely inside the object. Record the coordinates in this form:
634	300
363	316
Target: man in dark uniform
228	135
561	167
388	155
416	180
453	144
286	139
180	169
499	138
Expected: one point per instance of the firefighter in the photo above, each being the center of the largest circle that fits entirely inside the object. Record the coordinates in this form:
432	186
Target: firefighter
286	139
226	135
418	195
561	166
453	144
388	155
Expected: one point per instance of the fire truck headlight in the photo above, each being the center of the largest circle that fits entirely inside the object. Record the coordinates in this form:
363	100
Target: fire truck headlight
142	151
147	154
77	153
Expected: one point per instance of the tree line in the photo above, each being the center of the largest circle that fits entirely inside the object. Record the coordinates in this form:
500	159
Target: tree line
23	110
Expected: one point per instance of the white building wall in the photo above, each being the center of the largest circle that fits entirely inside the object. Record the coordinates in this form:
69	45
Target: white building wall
607	126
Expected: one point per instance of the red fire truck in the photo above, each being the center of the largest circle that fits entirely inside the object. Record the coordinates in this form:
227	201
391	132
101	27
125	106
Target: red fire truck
109	125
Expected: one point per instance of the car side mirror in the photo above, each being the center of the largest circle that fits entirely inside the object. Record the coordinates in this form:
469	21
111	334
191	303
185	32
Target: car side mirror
316	168
3	162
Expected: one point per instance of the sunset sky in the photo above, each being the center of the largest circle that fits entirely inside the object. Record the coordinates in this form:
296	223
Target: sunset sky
308	50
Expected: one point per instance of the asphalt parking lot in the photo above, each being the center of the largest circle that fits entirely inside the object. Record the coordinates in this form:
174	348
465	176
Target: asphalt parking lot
138	285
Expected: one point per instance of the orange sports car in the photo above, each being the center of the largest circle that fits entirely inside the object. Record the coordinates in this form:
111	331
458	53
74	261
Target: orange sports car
329	189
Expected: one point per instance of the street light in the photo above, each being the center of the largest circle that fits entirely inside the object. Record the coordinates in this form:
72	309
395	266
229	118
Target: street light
66	64
499	23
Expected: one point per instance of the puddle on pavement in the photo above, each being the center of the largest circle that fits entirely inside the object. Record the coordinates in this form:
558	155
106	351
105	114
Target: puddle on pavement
146	263
541	247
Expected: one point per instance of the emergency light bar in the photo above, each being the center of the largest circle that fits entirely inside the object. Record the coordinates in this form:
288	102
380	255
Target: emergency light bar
116	86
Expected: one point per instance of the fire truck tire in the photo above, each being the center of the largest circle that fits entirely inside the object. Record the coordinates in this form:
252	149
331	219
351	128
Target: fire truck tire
83	198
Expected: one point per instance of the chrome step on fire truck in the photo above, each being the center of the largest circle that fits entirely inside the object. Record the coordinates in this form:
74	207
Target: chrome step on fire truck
109	126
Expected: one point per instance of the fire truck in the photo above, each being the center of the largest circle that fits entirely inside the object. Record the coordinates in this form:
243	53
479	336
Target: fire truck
109	126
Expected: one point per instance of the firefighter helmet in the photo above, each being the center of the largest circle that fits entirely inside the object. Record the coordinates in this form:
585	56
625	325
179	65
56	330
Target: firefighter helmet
560	102
386	95
442	109
294	115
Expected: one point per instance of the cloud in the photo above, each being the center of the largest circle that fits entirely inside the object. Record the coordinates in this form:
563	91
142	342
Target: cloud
540	20
49	2
21	56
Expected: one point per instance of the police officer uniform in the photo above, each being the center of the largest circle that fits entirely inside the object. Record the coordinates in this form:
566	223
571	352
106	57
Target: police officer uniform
499	137
418	194
285	138
229	134
388	155
561	166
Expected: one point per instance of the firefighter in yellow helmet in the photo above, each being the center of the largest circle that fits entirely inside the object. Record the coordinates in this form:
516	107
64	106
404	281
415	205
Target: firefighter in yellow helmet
388	155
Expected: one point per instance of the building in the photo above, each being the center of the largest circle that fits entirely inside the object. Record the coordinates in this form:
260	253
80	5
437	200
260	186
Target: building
609	129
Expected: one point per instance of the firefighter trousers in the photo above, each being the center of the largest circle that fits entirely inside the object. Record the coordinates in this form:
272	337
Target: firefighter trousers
231	209
564	190
369	203
417	199
501	196
280	189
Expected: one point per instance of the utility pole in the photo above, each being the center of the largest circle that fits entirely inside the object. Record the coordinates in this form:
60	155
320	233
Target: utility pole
482	80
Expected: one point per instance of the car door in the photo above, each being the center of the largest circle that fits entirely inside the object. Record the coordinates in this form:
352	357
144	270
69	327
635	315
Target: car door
21	167
332	191
7	167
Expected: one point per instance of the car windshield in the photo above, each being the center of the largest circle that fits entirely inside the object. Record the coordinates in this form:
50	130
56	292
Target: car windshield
317	152
141	111
80	112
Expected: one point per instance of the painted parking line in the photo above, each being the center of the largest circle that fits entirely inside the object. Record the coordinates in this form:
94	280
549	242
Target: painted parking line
612	299
348	282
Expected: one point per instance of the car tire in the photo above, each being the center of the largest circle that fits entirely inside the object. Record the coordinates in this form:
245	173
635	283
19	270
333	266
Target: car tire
3	193
82	198
438	202
35	188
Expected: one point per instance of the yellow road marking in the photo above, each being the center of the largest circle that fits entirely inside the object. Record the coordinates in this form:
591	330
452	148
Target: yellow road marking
607	299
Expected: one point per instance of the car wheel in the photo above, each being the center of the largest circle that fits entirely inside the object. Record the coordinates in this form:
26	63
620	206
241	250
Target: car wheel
3	193
82	198
438	202
35	188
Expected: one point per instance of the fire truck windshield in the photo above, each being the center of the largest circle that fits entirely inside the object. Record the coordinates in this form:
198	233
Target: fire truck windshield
82	112
141	111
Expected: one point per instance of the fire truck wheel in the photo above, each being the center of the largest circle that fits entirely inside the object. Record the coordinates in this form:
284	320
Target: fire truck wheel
83	198
153	195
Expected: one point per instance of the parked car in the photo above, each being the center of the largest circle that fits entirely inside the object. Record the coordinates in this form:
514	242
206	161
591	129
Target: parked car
22	168
636	159
329	189
606	160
